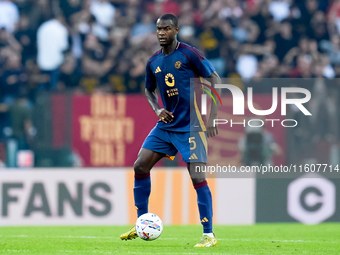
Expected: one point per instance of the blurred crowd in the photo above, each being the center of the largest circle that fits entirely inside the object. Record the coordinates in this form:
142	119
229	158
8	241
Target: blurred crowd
84	46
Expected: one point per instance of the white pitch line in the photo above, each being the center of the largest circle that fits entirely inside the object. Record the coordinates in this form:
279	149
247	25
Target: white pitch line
191	253
169	238
80	237
99	252
129	252
265	240
23	236
164	238
85	237
9	250
63	251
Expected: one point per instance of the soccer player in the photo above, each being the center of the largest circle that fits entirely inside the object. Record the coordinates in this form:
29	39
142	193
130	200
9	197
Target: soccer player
180	127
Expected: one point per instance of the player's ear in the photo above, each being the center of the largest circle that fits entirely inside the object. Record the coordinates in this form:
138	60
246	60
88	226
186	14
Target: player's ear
177	29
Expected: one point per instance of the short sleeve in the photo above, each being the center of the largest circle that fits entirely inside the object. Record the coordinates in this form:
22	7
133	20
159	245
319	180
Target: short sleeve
150	80
200	63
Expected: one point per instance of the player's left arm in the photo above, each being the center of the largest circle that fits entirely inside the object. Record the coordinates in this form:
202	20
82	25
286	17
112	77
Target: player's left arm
211	129
204	68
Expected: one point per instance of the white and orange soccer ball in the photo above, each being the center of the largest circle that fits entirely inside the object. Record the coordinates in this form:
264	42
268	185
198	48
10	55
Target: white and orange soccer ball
149	226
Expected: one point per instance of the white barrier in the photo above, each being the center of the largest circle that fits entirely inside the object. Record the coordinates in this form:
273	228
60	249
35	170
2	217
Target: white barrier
62	197
104	197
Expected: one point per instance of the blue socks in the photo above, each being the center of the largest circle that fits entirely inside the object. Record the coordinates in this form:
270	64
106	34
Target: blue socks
142	192
204	201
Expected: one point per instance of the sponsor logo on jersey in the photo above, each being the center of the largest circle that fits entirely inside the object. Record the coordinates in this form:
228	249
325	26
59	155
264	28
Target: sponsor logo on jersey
170	80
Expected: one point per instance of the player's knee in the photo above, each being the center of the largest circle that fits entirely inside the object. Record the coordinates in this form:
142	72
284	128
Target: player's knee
196	181
140	168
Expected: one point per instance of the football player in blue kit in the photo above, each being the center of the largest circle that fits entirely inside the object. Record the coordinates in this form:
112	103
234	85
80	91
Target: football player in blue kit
180	127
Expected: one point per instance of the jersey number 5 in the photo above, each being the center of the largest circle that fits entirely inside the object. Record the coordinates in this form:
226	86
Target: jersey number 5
192	142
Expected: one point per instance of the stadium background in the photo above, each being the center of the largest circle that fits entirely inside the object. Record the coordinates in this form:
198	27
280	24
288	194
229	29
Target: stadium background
75	100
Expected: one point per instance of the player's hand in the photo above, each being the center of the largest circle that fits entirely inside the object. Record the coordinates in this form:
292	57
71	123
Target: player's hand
211	130
165	115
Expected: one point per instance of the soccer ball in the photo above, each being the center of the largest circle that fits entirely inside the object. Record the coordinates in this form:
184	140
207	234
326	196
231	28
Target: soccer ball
149	226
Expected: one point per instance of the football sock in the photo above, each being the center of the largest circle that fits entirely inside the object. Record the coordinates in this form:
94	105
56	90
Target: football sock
204	201
209	234
141	191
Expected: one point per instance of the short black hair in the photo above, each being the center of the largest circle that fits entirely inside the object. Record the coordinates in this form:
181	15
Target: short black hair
171	17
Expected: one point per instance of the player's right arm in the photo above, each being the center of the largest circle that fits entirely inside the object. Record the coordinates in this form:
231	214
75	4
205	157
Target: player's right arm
152	97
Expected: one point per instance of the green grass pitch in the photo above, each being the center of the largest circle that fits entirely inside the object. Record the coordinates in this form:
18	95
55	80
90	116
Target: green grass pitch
257	239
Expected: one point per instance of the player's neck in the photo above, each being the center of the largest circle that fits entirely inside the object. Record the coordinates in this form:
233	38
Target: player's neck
170	48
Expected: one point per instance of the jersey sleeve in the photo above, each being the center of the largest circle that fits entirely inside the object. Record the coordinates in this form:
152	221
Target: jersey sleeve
150	80
200	63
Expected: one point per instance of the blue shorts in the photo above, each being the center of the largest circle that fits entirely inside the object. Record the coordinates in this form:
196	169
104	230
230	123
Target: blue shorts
191	145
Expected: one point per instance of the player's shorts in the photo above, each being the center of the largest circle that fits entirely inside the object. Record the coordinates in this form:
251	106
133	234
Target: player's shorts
191	145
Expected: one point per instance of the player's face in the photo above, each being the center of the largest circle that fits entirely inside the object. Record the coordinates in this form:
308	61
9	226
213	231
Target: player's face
166	32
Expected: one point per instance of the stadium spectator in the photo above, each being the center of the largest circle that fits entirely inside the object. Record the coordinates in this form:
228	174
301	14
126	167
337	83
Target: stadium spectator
259	13
247	31
268	67
158	8
52	42
301	48
136	72
95	62
119	76
41	11
141	30
187	34
232	12
308	9
303	68
104	12
23	130
13	80
211	39
8	42
332	49
204	11
9	15
247	62
26	36
83	23
70	73
279	9
285	39
246	66
318	28
70	7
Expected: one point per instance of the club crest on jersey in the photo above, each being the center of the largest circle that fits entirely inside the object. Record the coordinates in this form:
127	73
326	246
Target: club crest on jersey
170	80
178	64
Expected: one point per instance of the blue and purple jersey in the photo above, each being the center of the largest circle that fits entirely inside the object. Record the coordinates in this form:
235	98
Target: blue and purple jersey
171	74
